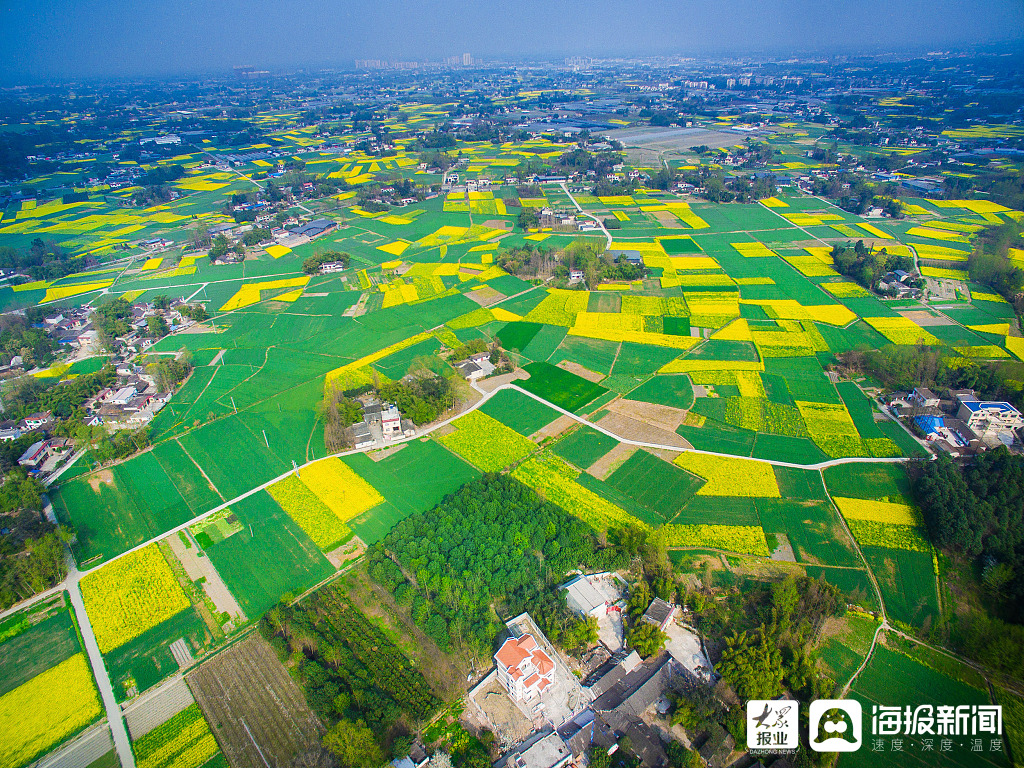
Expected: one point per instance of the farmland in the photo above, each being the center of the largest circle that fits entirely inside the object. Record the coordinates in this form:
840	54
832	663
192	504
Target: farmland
263	711
130	596
46	710
705	355
486	443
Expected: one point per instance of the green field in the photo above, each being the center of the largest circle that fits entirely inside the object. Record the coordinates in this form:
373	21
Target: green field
892	678
521	412
288	560
143	662
584	446
115	509
37	649
659	486
518	335
412	480
907	582
564	389
674	391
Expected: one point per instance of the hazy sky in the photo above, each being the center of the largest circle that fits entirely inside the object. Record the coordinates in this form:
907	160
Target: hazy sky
60	39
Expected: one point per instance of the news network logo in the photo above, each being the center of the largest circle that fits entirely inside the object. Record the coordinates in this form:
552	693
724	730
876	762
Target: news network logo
837	725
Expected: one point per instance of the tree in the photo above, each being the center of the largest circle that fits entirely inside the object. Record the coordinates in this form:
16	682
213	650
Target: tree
157	327
221	245
528	219
752	664
354	745
645	638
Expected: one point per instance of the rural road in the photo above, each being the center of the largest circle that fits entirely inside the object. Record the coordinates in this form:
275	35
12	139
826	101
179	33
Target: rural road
600	223
122	744
486	396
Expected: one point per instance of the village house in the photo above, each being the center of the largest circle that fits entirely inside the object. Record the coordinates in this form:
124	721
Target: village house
524	669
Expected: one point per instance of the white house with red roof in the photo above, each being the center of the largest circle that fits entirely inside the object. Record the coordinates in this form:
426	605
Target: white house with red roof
524	669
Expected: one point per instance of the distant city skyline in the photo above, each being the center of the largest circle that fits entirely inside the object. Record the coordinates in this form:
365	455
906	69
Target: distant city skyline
53	40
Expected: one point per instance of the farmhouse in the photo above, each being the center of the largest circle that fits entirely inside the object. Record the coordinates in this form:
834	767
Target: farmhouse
584	598
34	456
659	613
315	228
544	750
524	669
987	417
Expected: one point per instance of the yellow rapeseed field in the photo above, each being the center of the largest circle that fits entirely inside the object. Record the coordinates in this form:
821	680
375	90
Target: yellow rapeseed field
46	710
130	595
340	488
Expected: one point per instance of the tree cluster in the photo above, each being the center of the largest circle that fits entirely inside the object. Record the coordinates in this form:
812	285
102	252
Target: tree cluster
977	511
312	265
353	676
485	552
866	266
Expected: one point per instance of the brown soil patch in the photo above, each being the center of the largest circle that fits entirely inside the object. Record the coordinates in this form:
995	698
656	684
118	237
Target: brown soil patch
441	431
665	454
924	318
485	297
385	452
662	416
632	429
491	384
611	461
350	550
556	427
498	224
99	478
256	709
668	220
579	370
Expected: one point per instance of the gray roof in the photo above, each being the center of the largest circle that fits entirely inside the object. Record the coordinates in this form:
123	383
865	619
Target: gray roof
314	228
658	612
637	690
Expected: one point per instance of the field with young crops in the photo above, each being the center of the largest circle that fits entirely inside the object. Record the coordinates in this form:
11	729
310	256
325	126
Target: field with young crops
315	518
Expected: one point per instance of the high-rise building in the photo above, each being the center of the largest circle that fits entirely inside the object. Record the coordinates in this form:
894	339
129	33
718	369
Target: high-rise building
467	60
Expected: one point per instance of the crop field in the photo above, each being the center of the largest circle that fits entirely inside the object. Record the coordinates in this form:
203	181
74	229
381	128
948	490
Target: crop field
584	446
842	653
745	539
813	529
907	581
411	480
559	387
140	664
270	556
556	481
655	483
37	647
118	508
257	711
730	477
131	595
674	391
184	741
521	412
894	679
340	489
46	710
316	519
486	443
